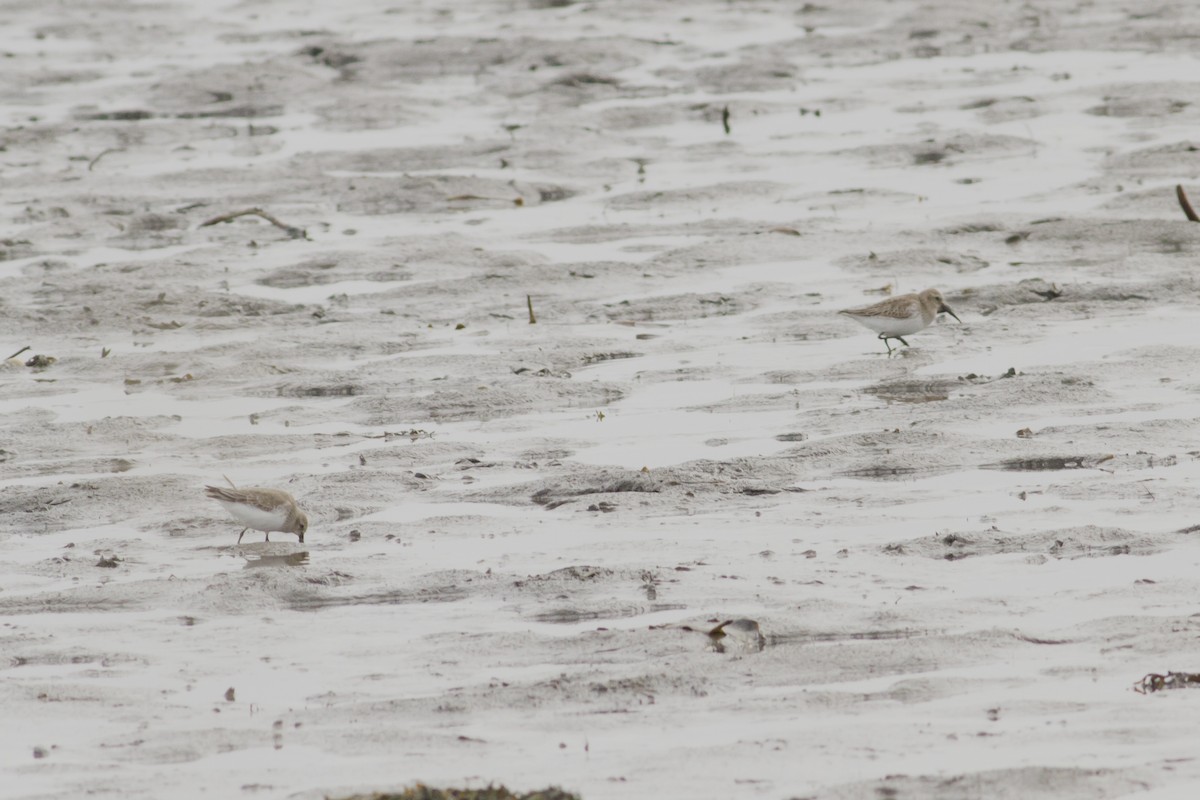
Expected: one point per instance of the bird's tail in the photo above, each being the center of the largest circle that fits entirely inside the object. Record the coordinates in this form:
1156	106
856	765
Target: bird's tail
219	493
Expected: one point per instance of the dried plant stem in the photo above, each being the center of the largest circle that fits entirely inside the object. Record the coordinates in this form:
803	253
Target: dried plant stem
292	231
1188	211
103	153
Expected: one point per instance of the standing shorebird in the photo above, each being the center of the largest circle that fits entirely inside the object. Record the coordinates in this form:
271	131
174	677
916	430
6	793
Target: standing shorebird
262	509
904	314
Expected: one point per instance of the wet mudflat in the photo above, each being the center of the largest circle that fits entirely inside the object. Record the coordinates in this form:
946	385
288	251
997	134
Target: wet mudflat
532	306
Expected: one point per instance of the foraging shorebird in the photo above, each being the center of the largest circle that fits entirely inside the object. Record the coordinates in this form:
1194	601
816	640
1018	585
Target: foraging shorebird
897	316
743	634
261	509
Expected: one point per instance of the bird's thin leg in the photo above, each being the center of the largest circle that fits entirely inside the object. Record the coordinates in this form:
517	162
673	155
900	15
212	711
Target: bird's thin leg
901	338
240	535
883	337
268	533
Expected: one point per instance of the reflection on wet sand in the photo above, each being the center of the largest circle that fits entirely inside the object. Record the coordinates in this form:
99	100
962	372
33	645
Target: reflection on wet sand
256	561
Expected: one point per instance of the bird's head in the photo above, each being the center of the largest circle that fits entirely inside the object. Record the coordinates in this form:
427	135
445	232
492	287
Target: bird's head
939	302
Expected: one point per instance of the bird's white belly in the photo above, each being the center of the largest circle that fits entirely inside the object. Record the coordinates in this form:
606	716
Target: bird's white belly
253	517
894	326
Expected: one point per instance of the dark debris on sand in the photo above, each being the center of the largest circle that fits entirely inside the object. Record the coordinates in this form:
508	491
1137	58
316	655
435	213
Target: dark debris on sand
422	792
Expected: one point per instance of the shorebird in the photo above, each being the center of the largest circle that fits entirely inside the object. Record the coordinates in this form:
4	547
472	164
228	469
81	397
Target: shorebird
904	314
261	509
743	633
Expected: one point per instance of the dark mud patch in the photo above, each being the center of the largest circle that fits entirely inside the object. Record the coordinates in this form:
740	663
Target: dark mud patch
85	466
1049	463
1028	291
335	267
510	66
894	473
570	616
1157	440
373	196
823	637
570	574
318	601
888	261
332	389
423	792
758	72
933	152
1084	542
706	196
581	593
913	391
589	359
997	110
72	656
477	155
1034	783
1146	101
844	199
623	691
736	243
482	402
360	490
224	90
562	492
24	440
626	231
89	599
680	307
96	500
1160	161
893	454
632	117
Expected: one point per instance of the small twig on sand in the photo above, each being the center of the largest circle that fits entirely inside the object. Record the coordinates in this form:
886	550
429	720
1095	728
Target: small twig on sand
529	302
1188	211
103	153
22	350
292	231
231	483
